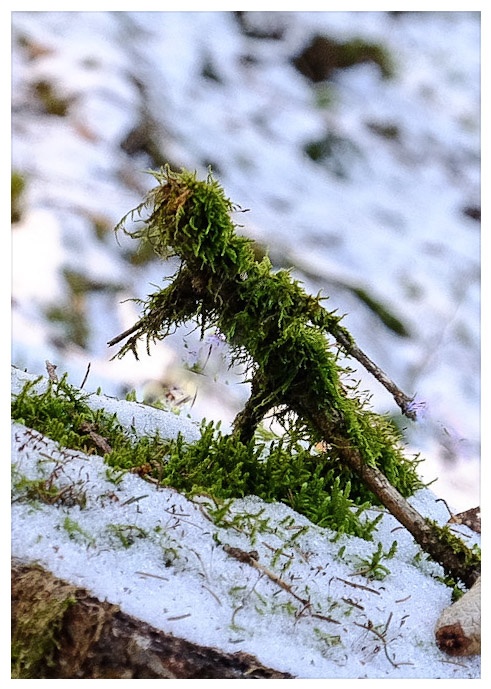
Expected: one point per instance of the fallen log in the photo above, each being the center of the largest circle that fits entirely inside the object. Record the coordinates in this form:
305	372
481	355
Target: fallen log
61	631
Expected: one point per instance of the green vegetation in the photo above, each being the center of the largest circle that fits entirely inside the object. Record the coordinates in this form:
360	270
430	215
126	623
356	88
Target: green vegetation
336	458
76	533
282	337
272	326
52	102
126	534
39	619
17	188
216	465
373	567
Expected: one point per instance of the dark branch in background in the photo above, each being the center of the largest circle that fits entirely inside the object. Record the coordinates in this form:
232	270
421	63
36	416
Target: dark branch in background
280	332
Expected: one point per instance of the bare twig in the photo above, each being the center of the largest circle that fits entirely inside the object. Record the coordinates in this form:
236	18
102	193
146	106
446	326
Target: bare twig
382	636
86	376
250	558
51	369
405	403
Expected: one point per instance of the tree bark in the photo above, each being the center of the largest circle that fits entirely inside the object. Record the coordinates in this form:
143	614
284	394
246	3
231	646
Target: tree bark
93	639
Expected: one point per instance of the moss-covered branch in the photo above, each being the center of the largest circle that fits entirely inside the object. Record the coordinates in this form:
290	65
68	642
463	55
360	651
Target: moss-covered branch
284	336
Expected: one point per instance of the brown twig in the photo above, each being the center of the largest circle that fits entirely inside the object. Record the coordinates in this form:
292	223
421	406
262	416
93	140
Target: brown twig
250	558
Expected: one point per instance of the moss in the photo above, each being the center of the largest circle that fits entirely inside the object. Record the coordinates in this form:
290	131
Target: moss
46	490
469	557
285	471
272	325
52	102
324	56
61	412
125	534
39	615
216	465
17	188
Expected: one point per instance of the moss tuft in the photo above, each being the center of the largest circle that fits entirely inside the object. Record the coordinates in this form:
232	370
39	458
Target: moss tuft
273	327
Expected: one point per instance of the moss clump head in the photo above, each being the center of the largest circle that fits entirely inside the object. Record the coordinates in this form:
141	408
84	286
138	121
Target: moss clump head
191	218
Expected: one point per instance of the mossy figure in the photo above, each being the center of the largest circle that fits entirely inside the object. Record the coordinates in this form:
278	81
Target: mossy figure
282	335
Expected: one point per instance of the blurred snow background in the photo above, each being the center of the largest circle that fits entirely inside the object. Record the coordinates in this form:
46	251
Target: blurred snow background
367	183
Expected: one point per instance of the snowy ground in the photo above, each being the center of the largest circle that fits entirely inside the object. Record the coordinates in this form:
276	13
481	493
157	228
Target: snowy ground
163	560
384	214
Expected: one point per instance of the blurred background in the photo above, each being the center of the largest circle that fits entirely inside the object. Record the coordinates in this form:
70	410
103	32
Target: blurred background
352	139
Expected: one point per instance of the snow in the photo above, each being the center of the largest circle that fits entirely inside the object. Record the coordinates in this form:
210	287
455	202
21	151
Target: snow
392	225
160	557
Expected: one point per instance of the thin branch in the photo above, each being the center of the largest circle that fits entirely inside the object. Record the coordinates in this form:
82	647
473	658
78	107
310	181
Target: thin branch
402	400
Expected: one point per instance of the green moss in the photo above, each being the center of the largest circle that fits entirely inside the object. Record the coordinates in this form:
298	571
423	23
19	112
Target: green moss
17	188
324	56
61	413
52	102
216	465
469	557
272	325
47	491
372	568
285	472
38	621
125	534
76	533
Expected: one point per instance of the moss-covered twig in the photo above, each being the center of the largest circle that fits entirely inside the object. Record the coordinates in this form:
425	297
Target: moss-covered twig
281	333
